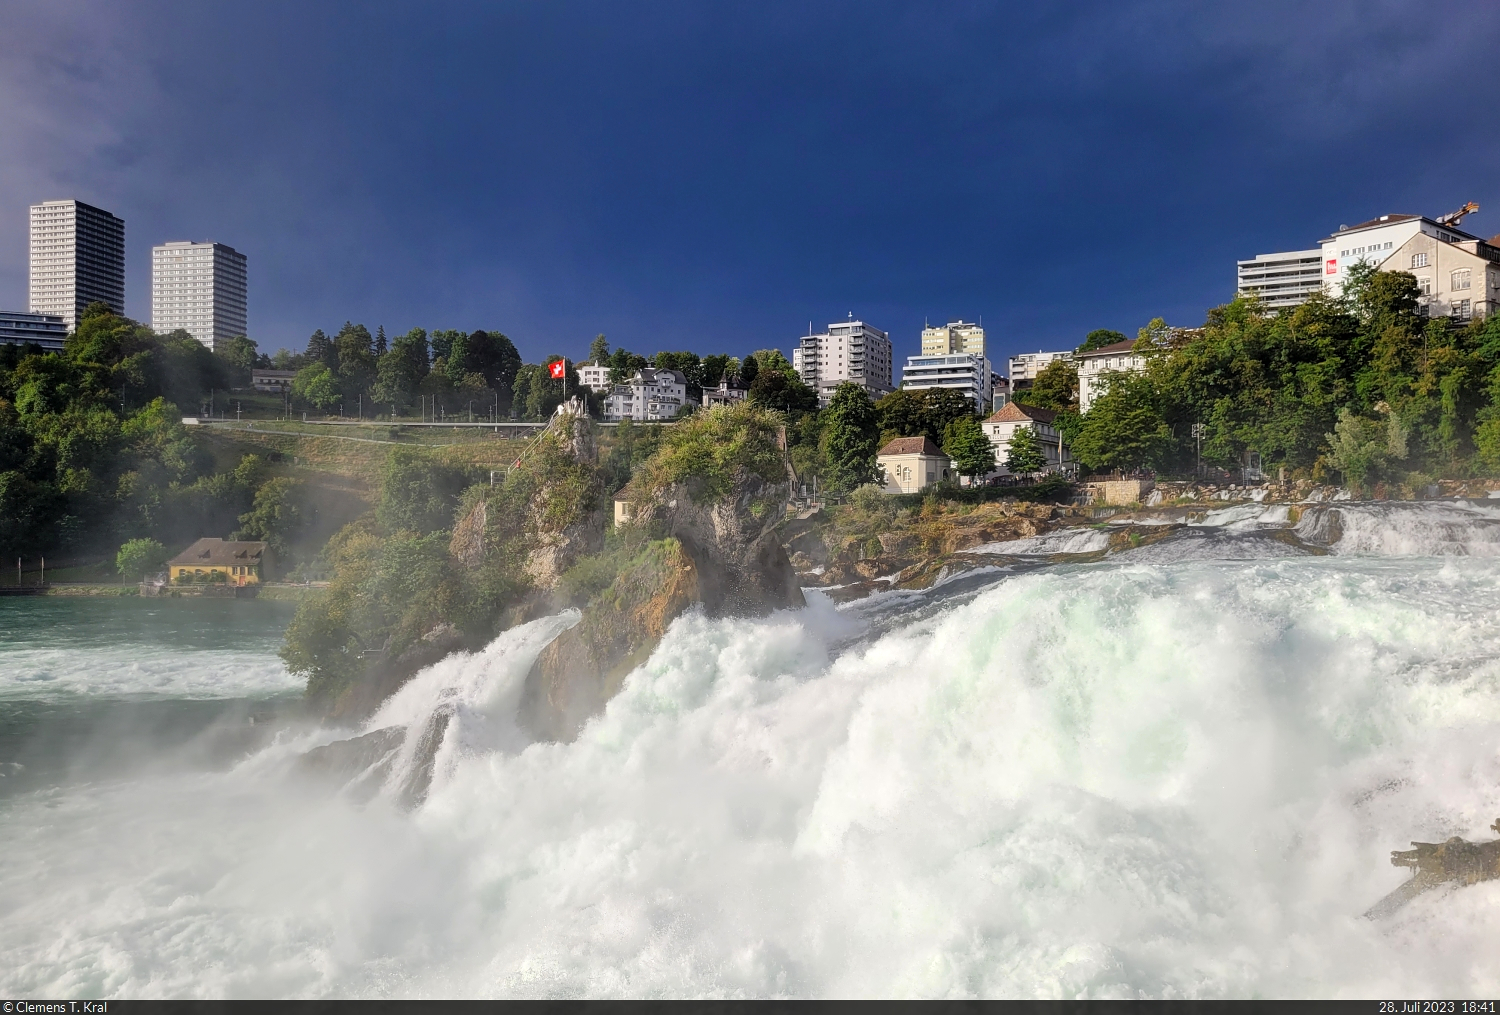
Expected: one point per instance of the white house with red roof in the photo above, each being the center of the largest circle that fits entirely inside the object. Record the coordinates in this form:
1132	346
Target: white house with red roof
1014	416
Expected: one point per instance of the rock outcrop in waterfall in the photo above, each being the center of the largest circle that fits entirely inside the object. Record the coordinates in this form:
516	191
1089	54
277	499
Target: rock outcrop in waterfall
703	512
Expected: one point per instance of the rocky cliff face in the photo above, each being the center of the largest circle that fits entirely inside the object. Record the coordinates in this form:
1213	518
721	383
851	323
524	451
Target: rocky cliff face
717	550
577	674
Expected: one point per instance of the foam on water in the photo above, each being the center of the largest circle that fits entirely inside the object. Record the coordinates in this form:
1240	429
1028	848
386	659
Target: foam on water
1092	780
155	671
1060	541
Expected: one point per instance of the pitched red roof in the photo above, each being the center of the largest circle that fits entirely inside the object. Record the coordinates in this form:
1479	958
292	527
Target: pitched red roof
1015	412
1110	350
911	446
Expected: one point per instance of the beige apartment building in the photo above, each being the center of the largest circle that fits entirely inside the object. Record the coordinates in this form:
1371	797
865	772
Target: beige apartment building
1458	280
953	338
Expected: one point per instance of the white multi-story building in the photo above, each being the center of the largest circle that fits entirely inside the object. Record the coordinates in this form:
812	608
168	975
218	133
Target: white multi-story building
966	372
1095	365
77	258
1282	280
848	351
198	288
651	396
594	376
44	330
1376	240
953	337
1013	416
1025	366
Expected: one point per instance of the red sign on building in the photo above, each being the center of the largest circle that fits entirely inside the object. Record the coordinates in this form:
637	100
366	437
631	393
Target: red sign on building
1333	266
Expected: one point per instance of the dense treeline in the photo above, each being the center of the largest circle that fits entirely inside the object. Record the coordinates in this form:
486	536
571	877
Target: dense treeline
1362	389
93	451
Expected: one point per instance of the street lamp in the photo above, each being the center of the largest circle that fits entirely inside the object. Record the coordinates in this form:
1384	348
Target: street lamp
1197	432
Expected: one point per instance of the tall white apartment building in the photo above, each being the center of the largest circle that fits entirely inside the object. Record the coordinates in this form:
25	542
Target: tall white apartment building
199	288
77	258
953	337
848	351
1282	280
594	376
966	372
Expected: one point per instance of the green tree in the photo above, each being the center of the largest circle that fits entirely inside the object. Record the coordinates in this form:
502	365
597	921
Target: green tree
918	412
417	494
748	370
1364	449
399	373
140	557
320	349
1123	429
965	441
850	438
240	357
316	386
1023	454
1099	338
1055	387
278	515
442	342
356	355
775	389
599	351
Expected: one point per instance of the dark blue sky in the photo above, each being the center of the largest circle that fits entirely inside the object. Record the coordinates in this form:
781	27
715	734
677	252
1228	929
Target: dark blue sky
715	176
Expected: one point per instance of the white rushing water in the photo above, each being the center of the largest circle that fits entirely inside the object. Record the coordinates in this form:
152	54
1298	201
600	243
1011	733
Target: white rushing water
1109	779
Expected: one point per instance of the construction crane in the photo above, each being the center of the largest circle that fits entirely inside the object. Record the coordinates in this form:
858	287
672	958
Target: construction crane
1453	218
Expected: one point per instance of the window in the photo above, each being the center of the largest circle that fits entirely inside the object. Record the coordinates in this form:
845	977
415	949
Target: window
1424	286
1462	310
1461	279
1419	260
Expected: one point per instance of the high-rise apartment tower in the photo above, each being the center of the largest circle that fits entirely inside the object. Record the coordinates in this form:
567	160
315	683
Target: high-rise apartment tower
952	338
77	258
200	288
848	351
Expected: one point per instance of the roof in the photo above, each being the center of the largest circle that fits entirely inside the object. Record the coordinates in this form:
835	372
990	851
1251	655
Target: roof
911	446
1111	350
1386	220
1015	412
219	552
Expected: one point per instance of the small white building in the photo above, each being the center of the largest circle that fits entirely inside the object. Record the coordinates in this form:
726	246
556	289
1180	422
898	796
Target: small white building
911	464
724	394
969	373
1014	416
274	382
594	376
1094	365
651	396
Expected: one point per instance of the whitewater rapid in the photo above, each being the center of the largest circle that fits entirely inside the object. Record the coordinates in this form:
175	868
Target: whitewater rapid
1107	779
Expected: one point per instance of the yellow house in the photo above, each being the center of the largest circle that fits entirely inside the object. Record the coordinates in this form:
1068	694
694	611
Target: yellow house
222	561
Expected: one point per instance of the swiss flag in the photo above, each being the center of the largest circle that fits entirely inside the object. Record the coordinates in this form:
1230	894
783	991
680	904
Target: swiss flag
559	369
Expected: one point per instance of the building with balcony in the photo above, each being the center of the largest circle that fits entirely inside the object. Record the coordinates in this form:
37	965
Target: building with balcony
651	396
1014	416
966	372
77	258
44	330
1025	366
953	337
848	351
199	288
1282	280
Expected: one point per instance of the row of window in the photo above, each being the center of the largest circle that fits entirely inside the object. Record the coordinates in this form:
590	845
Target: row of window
1372	248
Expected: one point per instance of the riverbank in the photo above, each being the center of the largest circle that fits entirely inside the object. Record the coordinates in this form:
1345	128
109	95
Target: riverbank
271	591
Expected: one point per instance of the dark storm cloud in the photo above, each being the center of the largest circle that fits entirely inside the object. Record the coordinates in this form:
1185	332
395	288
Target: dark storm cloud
714	176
